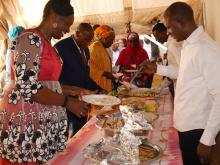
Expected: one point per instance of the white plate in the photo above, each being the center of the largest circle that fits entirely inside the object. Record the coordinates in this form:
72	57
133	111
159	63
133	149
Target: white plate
143	92
117	75
130	70
102	100
133	65
129	85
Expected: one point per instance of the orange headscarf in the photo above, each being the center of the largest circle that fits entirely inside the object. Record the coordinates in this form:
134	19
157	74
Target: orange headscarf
103	31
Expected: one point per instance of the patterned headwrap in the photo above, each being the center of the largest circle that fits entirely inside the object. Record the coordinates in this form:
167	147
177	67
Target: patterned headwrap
103	31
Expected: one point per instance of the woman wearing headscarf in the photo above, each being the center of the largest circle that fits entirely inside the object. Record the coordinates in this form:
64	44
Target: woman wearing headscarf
33	120
100	61
131	57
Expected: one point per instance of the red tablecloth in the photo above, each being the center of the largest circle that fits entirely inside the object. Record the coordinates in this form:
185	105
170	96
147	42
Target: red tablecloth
163	135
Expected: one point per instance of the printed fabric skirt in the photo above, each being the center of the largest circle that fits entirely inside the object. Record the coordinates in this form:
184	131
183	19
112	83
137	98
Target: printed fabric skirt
30	133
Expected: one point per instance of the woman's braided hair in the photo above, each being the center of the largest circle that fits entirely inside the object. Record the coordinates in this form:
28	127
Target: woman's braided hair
60	7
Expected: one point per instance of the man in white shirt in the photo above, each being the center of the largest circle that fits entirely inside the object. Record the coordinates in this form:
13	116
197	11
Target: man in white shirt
173	53
115	53
173	56
197	99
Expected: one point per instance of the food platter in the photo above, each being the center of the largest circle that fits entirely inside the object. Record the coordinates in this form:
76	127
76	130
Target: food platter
144	92
101	100
140	101
106	113
117	75
130	70
148	152
114	116
127	90
112	122
128	85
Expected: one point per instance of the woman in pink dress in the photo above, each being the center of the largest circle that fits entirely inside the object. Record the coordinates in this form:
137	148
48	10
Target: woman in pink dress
33	121
131	57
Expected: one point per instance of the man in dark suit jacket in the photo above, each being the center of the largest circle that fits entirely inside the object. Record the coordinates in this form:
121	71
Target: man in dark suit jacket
75	71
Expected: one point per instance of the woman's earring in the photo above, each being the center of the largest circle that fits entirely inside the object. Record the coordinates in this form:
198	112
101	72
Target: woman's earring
54	25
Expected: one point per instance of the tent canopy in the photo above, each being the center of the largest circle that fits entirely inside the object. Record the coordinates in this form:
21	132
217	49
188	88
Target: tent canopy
140	14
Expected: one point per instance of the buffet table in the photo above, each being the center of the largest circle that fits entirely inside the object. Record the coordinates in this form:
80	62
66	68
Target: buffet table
163	135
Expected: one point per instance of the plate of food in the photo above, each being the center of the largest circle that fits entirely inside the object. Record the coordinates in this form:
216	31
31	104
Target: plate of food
149	152
128	85
130	70
117	75
110	119
101	100
144	92
149	104
127	90
140	101
112	122
107	113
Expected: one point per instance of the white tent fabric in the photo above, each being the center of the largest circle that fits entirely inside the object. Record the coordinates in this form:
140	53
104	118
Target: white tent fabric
211	18
117	13
140	14
88	7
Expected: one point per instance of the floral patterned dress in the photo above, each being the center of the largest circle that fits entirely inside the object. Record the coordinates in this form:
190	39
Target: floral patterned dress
29	131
